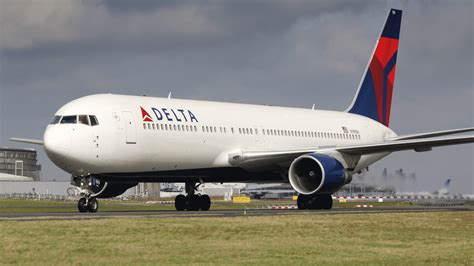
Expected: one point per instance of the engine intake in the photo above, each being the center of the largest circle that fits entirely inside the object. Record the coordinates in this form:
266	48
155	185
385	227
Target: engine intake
317	173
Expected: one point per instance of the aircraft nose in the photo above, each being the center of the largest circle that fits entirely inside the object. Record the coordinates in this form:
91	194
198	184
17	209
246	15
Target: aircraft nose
57	145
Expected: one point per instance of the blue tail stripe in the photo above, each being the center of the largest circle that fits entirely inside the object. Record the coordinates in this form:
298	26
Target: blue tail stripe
366	98
392	26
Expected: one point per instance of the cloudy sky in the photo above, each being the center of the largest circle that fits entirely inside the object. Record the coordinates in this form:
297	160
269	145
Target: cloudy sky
290	53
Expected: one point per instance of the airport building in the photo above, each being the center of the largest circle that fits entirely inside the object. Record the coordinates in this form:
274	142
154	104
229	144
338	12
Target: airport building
19	165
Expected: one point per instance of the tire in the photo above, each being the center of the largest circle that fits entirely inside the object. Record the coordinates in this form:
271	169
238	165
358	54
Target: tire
180	203
302	202
93	205
326	201
205	202
81	205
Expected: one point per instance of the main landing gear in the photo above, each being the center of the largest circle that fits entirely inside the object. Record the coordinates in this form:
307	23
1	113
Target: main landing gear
192	201
88	204
314	202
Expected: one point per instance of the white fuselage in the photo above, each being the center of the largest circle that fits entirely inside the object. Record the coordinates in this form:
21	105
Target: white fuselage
188	134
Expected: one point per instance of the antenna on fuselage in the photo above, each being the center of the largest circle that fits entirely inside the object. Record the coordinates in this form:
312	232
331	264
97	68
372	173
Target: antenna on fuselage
169	95
312	108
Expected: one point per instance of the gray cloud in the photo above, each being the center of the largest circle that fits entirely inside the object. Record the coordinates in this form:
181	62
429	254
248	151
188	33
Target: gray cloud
292	53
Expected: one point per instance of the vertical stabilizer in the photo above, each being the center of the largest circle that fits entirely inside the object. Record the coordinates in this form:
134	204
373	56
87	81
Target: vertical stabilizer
374	96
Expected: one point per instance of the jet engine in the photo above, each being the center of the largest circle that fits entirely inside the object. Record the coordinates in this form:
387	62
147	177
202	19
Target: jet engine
317	173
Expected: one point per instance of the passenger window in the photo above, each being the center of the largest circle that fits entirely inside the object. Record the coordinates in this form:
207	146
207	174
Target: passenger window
94	121
55	120
70	119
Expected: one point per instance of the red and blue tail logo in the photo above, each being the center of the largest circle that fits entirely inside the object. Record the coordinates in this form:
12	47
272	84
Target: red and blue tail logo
374	97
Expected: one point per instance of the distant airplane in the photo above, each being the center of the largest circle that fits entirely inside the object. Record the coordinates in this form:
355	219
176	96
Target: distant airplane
444	191
259	191
109	143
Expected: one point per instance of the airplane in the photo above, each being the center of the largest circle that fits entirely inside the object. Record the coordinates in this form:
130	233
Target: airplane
444	191
258	191
109	143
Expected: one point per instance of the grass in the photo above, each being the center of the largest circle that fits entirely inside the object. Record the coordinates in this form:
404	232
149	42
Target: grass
443	238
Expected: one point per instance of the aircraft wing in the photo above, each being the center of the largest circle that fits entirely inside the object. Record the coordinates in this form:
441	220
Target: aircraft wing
29	141
419	145
434	134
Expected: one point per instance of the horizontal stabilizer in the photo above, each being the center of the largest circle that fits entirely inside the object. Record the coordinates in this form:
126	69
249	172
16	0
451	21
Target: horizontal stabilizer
29	141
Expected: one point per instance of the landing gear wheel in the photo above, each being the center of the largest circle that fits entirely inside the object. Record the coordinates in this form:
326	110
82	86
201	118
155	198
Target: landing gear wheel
82	205
204	202
180	203
192	203
314	202
92	205
302	202
326	202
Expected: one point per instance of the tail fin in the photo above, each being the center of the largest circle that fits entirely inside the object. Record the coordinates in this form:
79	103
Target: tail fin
446	184
374	96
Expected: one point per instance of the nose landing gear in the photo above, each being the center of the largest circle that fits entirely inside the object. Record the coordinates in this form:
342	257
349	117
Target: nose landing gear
89	188
192	201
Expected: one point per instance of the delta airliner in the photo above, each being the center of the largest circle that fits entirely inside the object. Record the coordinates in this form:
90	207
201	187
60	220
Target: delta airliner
109	142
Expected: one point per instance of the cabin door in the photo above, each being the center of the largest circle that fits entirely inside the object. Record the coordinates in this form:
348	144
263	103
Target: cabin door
130	128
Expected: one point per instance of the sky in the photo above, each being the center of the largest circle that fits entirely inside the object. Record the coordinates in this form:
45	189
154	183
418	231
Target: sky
289	53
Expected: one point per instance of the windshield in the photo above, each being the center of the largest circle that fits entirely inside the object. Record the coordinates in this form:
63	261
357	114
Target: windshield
69	119
83	120
55	120
94	121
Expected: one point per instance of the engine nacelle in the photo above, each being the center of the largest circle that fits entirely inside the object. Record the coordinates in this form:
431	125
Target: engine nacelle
317	173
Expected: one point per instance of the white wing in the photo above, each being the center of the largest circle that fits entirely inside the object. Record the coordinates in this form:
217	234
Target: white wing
29	141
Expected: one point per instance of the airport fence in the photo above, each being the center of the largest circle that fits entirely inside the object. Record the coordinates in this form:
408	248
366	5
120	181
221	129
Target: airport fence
36	196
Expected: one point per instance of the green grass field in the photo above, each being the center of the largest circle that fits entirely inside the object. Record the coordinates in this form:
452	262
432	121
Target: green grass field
432	238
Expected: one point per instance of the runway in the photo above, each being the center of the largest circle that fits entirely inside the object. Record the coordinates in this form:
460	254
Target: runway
217	213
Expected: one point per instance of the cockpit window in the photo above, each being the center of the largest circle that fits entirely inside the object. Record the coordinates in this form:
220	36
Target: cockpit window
94	121
55	120
83	119
69	119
